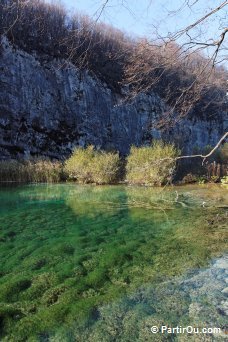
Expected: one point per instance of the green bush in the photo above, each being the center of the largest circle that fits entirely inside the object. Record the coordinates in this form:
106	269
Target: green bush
31	171
151	165
91	166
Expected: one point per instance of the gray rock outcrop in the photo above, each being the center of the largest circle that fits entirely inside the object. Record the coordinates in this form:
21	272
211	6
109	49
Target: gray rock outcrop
47	107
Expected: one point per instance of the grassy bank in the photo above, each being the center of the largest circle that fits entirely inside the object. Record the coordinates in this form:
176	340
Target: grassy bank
153	165
31	171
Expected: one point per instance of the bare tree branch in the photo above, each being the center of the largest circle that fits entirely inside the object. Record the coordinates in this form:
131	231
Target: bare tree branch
209	154
197	22
204	157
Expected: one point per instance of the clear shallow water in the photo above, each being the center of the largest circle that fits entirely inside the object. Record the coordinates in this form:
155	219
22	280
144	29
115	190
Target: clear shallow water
84	263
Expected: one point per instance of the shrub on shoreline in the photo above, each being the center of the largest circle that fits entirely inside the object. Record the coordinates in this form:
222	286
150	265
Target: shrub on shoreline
91	166
151	165
147	165
31	171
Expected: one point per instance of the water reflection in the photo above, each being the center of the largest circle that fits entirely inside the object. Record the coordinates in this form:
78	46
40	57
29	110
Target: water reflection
77	254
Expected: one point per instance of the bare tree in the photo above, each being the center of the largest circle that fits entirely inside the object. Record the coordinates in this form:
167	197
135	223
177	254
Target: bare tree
175	68
49	30
194	40
184	81
185	67
190	38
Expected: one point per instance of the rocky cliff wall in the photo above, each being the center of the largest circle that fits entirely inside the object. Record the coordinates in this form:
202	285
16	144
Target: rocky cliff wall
49	107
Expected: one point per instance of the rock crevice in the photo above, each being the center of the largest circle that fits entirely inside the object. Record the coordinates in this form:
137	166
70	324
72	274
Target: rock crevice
48	108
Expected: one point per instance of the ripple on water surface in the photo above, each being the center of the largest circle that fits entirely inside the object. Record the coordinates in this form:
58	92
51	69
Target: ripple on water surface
85	263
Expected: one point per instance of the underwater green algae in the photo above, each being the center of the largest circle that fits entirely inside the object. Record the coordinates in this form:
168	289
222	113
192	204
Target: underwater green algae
70	254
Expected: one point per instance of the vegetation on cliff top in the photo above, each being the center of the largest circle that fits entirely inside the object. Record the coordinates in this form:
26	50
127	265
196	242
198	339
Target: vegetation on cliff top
184	81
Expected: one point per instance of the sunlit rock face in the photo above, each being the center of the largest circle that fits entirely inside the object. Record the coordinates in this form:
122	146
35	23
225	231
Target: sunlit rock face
47	107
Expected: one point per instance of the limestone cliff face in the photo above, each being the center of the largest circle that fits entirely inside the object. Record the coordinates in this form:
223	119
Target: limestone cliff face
49	107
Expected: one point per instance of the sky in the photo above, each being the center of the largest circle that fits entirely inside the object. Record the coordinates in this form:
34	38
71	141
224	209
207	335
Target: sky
139	18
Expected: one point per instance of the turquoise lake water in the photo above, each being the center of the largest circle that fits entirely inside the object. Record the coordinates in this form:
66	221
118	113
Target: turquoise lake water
105	263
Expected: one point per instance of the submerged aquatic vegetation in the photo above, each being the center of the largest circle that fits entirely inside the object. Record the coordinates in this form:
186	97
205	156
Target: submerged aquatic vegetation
70	253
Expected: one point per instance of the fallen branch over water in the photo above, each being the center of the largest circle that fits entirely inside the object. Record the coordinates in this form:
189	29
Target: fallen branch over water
207	155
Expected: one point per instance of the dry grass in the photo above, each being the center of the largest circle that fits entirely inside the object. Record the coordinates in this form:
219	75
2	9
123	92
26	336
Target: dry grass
31	171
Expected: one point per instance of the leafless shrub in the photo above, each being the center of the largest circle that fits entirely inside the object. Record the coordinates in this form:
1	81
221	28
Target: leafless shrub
185	82
48	29
188	82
